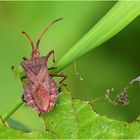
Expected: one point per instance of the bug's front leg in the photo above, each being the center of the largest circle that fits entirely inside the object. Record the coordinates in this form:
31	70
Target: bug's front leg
49	54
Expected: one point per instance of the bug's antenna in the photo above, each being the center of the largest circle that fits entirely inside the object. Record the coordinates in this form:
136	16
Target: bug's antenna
38	41
29	40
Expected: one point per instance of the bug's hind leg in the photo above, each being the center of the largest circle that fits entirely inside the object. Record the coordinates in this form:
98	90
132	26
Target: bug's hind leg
59	75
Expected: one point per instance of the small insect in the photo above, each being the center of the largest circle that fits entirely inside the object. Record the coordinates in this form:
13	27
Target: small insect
41	91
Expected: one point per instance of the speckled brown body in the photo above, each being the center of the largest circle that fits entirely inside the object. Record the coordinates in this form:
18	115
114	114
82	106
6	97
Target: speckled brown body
41	91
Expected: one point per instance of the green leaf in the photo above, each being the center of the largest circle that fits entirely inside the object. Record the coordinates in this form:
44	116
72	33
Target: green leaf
40	135
119	16
73	118
76	119
134	130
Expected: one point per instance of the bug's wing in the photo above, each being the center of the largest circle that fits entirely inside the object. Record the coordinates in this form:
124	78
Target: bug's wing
28	98
42	99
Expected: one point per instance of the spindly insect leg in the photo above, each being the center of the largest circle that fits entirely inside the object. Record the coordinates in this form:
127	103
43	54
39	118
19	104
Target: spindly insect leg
49	54
59	75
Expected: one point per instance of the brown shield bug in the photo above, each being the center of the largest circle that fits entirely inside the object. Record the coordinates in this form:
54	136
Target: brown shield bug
41	91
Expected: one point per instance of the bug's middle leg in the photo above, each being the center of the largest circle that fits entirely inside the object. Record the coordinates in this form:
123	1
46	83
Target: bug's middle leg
62	81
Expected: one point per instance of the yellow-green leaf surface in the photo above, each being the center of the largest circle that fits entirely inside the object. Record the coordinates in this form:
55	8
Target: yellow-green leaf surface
73	118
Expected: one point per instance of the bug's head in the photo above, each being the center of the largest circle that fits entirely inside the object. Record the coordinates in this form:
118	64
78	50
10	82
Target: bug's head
35	49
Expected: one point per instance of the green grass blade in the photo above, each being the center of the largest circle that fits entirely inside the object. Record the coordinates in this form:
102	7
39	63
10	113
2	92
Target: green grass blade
120	15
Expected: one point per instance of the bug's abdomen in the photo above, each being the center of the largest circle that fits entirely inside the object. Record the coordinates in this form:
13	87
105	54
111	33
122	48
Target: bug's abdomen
45	96
53	93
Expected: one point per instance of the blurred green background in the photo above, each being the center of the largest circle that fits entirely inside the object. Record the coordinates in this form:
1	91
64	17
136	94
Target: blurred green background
112	65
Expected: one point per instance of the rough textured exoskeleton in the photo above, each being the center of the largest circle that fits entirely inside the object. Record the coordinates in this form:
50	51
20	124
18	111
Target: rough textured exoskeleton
41	91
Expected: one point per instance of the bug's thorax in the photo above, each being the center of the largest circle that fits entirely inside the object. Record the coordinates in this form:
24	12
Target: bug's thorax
35	63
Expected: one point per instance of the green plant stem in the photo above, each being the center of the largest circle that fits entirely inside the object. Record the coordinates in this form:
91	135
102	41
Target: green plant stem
118	17
12	109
